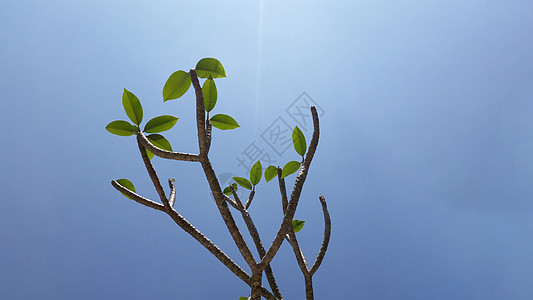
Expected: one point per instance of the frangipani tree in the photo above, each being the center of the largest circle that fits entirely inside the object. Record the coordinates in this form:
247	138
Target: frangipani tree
150	142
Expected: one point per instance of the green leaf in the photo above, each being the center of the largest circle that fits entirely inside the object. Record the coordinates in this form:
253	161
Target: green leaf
224	122
243	182
270	173
298	139
159	141
127	184
210	67
132	106
209	90
227	190
150	154
297	225
177	84
256	172
289	168
243	298
160	124
122	128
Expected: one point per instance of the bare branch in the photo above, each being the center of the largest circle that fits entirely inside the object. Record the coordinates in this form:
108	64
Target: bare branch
212	179
240	207
164	153
296	191
291	235
300	258
225	213
250	198
268	295
172	197
256	284
200	113
231	202
283	191
208	130
152	173
327	235
257	241
309	288
137	198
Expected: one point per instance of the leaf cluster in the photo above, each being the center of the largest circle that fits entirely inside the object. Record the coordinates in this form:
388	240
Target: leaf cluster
300	146
176	86
180	81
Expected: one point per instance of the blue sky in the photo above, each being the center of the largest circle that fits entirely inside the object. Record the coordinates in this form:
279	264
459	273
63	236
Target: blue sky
424	158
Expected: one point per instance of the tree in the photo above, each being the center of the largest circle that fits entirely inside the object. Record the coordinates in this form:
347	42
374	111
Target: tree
155	144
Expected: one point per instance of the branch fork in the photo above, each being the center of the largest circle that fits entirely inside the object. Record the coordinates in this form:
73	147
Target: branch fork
289	206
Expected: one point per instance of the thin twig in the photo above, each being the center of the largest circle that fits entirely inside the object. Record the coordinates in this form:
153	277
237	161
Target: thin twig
283	191
172	197
300	257
238	202
327	235
291	235
231	202
137	198
208	130
250	198
152	173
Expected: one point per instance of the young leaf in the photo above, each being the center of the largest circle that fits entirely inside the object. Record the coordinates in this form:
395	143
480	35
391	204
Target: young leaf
298	139
297	225
243	298
132	106
209	90
122	128
256	172
210	67
159	141
270	173
227	190
127	184
177	84
160	124
289	168
243	182
224	122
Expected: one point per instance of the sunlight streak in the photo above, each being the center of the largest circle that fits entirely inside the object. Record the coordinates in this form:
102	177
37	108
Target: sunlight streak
258	66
